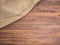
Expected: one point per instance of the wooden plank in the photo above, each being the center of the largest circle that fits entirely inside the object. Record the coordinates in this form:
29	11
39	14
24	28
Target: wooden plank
40	27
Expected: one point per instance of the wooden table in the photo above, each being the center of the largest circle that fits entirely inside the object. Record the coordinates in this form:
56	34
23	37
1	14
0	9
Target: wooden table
40	27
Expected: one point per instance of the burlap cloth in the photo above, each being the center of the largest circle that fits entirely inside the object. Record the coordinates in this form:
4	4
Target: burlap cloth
12	10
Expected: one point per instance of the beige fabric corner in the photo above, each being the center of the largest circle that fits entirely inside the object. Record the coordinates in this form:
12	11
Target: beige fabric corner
12	10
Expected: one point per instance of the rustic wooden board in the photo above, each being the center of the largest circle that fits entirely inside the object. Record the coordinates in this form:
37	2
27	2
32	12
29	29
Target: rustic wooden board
40	27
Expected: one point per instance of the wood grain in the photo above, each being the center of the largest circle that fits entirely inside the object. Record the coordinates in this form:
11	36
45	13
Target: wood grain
40	27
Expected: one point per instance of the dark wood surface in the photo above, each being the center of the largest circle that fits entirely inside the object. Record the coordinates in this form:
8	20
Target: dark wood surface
40	27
